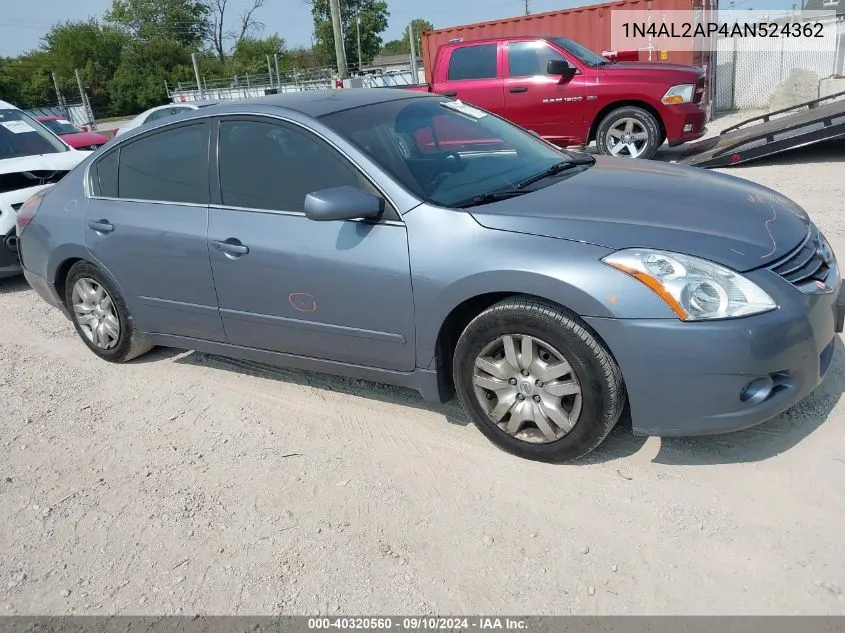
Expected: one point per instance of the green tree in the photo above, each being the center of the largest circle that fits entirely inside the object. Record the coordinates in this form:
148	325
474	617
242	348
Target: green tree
250	54
373	15
145	66
403	46
185	22
93	48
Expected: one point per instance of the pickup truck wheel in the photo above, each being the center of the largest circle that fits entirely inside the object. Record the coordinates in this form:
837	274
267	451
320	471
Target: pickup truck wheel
628	133
536	382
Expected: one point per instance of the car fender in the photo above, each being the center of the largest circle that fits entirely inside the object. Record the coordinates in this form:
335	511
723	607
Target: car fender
454	260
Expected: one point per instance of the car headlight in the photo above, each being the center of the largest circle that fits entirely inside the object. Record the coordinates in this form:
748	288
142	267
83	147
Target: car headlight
695	289
682	93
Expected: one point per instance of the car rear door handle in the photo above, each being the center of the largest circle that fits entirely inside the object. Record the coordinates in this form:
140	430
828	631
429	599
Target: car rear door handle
518	89
451	93
101	226
231	246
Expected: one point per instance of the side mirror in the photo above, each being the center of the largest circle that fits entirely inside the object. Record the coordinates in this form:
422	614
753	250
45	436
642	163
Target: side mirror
560	67
342	203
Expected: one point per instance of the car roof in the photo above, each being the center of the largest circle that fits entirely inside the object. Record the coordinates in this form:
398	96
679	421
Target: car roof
5	105
318	103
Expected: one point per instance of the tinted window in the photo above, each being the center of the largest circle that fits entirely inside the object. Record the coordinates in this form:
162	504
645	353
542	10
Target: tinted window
268	165
444	151
584	54
21	135
106	175
526	59
170	166
473	62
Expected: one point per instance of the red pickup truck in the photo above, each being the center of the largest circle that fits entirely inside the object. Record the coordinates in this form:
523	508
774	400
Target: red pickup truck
569	95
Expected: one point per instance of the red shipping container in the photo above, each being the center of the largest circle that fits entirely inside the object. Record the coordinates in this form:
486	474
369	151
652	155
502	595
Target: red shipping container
588	25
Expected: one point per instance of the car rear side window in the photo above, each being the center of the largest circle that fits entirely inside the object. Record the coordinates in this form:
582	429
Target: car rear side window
170	165
473	62
268	165
106	173
527	59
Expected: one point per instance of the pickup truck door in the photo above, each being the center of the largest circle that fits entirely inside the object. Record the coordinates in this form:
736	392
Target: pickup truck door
472	73
550	105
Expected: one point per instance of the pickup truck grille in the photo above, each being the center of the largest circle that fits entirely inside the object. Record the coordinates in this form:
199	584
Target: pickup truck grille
808	264
698	94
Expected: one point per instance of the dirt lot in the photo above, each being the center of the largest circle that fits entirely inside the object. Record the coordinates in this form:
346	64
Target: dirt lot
184	483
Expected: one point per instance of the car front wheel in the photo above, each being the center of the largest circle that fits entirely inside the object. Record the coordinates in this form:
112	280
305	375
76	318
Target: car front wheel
536	382
100	315
629	133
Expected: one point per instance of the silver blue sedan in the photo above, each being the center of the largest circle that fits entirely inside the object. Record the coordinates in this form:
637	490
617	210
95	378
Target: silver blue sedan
411	239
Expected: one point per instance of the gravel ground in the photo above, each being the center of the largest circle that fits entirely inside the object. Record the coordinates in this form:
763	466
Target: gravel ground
186	483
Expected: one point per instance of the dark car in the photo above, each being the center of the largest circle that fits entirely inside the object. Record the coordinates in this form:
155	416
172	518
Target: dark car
411	239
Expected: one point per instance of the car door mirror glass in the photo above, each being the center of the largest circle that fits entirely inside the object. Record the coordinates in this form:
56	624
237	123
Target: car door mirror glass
342	203
560	67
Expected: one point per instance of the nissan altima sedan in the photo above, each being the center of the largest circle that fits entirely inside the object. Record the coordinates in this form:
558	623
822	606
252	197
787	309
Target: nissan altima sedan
411	239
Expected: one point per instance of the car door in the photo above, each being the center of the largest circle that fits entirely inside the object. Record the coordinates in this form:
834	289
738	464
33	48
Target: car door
550	105
146	223
339	290
473	76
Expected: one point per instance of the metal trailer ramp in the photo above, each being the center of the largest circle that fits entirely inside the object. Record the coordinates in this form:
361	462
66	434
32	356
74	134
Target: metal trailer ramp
801	125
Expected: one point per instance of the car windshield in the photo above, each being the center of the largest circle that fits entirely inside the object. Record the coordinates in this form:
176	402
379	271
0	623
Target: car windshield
61	126
449	152
21	135
584	54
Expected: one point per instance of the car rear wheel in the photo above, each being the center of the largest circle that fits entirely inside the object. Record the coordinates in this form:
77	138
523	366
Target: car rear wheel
629	133
100	316
536	382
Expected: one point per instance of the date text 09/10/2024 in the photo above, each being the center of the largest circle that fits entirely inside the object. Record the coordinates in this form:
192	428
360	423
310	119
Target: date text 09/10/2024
418	624
687	30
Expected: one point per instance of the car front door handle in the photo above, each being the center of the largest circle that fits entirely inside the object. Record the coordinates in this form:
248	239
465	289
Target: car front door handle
518	89
231	246
101	226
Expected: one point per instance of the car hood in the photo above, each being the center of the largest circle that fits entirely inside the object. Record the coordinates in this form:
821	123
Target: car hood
651	66
84	139
60	161
624	203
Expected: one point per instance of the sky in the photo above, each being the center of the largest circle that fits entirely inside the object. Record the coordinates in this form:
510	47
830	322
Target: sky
22	27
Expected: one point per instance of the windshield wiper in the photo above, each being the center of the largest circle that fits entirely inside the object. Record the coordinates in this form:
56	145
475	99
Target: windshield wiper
556	169
487	198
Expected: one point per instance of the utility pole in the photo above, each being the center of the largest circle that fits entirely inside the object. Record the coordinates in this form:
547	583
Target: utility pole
412	39
197	74
278	76
527	10
270	72
358	26
339	49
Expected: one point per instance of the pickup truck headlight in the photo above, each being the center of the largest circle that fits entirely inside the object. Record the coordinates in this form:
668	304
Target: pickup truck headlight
682	93
695	289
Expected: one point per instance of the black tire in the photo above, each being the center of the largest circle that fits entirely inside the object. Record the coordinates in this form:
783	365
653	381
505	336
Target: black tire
603	391
645	119
129	343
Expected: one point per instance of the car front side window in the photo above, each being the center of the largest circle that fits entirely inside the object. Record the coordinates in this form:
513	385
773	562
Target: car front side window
272	165
529	59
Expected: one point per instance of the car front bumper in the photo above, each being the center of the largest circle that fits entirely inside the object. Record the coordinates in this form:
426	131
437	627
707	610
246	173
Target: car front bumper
689	378
684	122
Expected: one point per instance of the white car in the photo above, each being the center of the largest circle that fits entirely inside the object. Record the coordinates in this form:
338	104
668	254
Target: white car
161	112
32	158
